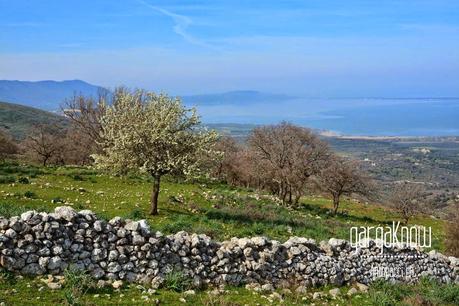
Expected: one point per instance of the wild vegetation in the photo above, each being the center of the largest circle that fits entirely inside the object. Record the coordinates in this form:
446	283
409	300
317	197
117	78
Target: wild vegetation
283	181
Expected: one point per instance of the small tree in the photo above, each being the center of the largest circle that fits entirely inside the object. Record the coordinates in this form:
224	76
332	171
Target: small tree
7	146
152	133
44	144
452	232
407	200
78	147
85	113
287	156
342	177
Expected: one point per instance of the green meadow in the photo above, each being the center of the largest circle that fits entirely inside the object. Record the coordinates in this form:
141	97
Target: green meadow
200	206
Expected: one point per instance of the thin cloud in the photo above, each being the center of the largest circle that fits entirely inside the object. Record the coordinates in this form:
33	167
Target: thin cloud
181	25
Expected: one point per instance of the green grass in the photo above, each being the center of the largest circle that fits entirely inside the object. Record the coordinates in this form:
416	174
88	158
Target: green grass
80	291
205	207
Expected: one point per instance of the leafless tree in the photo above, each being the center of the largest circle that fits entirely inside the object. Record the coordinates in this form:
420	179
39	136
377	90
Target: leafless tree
343	178
224	168
7	146
407	199
44	143
85	112
452	232
288	156
78	147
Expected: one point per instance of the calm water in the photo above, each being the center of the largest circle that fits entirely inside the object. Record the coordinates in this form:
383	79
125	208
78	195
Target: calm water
391	117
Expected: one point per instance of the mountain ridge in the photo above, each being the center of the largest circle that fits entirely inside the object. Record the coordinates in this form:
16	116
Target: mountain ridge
47	94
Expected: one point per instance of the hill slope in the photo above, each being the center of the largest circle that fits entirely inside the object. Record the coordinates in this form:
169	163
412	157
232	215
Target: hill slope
17	120
46	95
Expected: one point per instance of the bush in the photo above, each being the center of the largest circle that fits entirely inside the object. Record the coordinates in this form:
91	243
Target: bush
177	281
29	194
136	214
77	177
23	180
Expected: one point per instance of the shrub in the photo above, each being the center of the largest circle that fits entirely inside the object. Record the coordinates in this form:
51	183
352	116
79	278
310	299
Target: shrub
136	214
177	281
23	180
77	177
29	194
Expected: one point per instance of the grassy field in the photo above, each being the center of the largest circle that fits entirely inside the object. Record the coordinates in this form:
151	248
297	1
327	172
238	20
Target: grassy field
206	207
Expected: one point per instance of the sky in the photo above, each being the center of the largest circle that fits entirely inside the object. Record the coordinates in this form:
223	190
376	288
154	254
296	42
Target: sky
315	48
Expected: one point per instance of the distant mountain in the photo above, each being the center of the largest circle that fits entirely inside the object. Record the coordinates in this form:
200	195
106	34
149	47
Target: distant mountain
18	120
239	97
46	95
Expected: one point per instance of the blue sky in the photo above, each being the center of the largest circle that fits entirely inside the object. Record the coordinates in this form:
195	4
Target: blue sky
396	48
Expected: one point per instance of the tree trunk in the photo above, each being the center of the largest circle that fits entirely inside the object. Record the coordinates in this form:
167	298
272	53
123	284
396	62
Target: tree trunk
335	204
154	195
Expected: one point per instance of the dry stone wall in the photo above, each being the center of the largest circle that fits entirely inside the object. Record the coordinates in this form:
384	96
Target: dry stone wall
41	243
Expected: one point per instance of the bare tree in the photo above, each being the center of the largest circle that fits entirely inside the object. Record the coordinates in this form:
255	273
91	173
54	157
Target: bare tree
78	147
288	156
229	149
86	112
452	232
342	177
407	199
44	143
7	146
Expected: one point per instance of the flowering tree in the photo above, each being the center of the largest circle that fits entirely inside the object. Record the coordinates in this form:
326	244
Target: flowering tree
152	133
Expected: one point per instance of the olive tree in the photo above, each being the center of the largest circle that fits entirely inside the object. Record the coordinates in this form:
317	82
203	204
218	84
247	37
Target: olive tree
154	134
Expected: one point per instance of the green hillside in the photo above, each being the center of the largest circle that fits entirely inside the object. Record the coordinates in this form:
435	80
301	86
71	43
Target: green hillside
17	119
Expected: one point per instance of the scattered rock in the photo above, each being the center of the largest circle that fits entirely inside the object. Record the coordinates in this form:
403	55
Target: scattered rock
352	291
317	295
54	286
117	284
189	292
362	287
334	293
267	288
